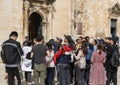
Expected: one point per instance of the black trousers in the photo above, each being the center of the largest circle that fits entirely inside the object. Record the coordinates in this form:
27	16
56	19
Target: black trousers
111	77
27	76
13	72
72	72
86	76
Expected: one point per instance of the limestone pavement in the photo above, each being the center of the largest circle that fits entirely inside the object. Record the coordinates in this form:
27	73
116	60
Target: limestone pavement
4	82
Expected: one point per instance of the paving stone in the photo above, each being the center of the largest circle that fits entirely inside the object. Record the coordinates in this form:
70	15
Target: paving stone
4	82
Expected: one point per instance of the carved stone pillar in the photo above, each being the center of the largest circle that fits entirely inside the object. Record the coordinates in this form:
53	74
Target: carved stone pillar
45	30
26	7
50	8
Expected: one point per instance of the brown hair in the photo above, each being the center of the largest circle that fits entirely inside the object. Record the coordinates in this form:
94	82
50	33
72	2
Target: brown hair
100	48
84	47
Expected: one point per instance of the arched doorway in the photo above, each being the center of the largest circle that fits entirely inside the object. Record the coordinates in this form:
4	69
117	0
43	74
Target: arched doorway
35	25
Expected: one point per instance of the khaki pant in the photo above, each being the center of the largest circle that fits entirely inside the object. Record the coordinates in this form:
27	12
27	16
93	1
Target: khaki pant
39	74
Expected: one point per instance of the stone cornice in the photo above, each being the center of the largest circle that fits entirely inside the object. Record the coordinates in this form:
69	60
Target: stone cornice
43	1
115	9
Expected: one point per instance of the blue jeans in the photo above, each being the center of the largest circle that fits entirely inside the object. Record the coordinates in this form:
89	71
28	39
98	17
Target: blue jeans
50	75
87	75
64	74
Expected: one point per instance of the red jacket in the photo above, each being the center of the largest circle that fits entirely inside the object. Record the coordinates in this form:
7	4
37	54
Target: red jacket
62	50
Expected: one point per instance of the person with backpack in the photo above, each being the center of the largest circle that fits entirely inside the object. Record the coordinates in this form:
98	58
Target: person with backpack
112	63
63	58
80	63
11	56
27	62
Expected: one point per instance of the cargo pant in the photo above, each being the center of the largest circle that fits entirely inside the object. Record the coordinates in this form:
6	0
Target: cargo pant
39	74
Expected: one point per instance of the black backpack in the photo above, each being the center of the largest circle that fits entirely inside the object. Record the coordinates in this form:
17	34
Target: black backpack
6	56
2	55
115	58
28	56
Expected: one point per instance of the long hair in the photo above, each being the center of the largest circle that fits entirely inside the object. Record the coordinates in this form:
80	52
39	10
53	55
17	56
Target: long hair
84	47
70	41
100	48
95	41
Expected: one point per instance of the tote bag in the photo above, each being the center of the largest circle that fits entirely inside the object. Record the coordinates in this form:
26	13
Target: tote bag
82	62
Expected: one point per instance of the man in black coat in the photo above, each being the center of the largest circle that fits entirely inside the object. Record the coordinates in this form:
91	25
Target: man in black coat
11	55
111	71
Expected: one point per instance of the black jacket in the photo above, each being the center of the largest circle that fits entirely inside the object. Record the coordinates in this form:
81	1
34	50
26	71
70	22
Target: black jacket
110	50
14	50
90	46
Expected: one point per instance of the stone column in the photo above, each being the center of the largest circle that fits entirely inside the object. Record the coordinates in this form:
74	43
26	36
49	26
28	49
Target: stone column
45	31
50	30
25	24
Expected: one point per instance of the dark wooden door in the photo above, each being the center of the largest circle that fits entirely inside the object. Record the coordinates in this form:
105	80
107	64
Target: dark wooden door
35	27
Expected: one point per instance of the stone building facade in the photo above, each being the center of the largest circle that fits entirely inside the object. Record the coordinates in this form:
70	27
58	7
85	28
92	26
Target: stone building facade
58	17
11	18
35	17
97	18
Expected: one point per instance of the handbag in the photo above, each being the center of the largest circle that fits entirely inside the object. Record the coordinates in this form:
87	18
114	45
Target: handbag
82	62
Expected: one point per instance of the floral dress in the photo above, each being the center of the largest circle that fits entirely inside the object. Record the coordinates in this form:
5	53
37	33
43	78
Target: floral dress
97	73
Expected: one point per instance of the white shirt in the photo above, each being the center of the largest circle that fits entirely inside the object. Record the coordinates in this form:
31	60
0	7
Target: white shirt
27	63
51	64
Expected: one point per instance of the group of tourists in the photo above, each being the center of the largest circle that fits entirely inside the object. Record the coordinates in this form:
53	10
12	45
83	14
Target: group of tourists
80	62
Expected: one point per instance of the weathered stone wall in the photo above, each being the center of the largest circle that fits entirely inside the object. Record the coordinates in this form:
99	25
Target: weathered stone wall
11	18
62	18
95	17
